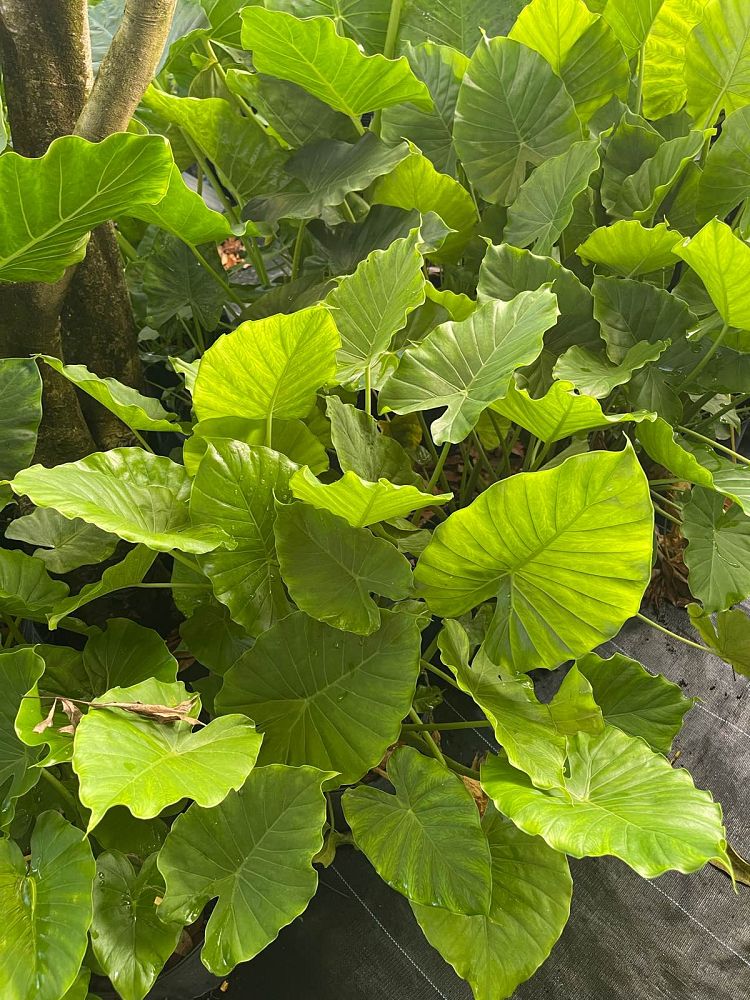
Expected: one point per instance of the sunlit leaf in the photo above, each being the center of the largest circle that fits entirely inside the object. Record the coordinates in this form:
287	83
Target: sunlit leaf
595	375
722	260
20	669
631	21
664	85
630	249
725	180
729	638
717	61
290	437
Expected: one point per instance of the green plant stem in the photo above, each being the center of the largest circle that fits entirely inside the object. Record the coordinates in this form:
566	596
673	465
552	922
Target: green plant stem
218	278
62	791
13	630
389	49
454	765
444	726
368	391
298	243
172	586
346	209
697	405
734	405
141	440
664	513
639	79
427	437
242	106
708	355
672	635
426	665
483	455
436	472
665	482
269	430
180	558
714	444
501	438
541	458
126	246
427	738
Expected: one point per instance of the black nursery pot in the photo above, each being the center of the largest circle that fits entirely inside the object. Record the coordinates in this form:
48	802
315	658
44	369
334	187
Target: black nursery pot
187	979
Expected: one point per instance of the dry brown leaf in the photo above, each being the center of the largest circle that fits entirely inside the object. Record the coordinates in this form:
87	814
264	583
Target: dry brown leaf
477	793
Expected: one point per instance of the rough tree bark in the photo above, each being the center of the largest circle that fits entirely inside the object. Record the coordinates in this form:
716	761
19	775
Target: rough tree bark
85	318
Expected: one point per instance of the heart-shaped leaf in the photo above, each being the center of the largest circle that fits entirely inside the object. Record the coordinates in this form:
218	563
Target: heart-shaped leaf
269	367
512	112
529	906
234	488
125	758
561	412
26	588
47	907
129	940
359	502
629	249
722	260
52	202
254	852
290	437
175	281
717	61
631	21
459	25
20	413
311	690
636	701
725	180
127	491
331	568
362	448
642	192
620	799
718	550
373	304
595	375
664	85
311	54
64	544
126	653
425	841
550	546
465	366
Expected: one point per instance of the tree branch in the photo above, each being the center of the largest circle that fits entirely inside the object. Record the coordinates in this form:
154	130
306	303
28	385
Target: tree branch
127	69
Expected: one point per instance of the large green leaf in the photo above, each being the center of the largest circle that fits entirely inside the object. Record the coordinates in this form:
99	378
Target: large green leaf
697	465
529	906
631	21
321	174
122	758
717	61
545	202
729	637
441	68
580	47
629	249
373	304
124	654
20	669
592	373
619	799
416	184
234	489
560	413
331	568
298	117
130	942
636	701
213	638
311	54
290	437
254	852
551	547
268	367
362	448
26	588
47	906
128	491
458	23
631	311
139	412
63	544
247	159
532	734
506	271
725	181
365	21
183	213
20	413
467	365
52	202
722	260
642	192
664	85
129	572
512	113
174	281
425	841
325	697
718	550
359	502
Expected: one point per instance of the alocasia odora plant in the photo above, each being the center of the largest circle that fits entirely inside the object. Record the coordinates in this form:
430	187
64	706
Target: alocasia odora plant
475	359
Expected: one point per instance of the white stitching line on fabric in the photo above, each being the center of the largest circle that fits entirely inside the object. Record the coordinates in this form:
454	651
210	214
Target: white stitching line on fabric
388	934
698	704
697	921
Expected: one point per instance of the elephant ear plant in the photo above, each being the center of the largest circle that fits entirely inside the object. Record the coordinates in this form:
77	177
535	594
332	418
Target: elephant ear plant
469	375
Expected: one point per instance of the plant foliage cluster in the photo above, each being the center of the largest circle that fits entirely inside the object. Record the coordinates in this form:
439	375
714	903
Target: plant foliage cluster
480	373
